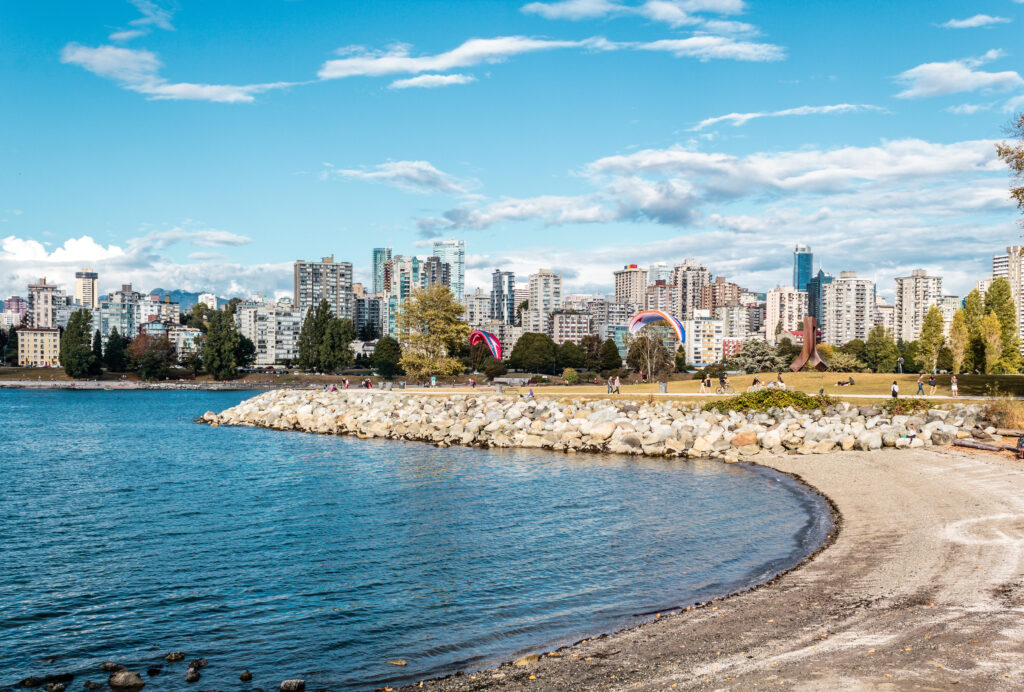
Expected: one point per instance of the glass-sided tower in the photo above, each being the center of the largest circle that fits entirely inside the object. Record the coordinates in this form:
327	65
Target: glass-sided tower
803	259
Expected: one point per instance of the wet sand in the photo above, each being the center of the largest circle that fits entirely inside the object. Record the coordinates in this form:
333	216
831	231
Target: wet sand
922	588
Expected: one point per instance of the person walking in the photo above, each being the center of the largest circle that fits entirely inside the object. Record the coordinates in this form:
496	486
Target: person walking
920	385
953	386
611	385
931	384
895	390
618	383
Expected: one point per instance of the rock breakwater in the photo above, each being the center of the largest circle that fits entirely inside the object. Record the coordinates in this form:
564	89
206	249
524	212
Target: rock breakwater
653	428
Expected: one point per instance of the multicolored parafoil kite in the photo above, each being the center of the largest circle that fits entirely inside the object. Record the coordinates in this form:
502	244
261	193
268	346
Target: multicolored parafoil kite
477	335
646	317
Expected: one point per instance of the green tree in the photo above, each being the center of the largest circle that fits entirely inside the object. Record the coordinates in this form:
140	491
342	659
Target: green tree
974	313
570	376
198	317
192	361
958	341
841	361
787	350
495	369
368	332
232	306
610	359
245	352
680	361
97	348
992	337
313	336
151	357
647	353
591	346
387	355
431	330
12	345
880	351
999	300
76	356
931	338
534	353
1012	154
114	356
222	346
911	352
336	349
571	356
757	355
853	347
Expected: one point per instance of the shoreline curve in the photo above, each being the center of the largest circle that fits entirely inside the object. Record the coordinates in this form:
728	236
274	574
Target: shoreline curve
919	585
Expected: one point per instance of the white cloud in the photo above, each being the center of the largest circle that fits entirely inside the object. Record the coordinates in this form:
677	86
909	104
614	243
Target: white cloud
397	60
152	16
941	78
572	9
139	261
738	119
412	176
969	108
978	20
675	13
430	81
716	47
138	70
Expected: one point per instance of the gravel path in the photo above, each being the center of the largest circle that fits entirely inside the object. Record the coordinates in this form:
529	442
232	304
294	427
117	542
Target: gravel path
923	588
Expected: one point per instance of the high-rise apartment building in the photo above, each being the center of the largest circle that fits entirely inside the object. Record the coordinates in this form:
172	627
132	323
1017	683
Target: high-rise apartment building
803	263
718	293
630	284
704	335
208	299
689	278
42	301
816	296
381	255
17	305
436	272
273	327
402	276
735	319
885	315
1001	263
1015	275
503	297
453	253
785	311
848	309
949	305
661	295
478	307
545	290
914	295
569	326
659	271
324	280
86	294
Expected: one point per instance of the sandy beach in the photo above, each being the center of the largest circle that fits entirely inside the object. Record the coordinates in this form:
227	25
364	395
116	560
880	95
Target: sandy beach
921	588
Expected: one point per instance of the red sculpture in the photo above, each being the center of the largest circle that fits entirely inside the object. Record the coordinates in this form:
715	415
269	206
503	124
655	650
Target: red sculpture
810	349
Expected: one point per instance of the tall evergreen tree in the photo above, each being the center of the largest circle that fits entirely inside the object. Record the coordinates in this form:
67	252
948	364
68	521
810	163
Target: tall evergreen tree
571	356
221	348
76	355
114	356
12	344
312	337
97	346
150	356
534	352
999	300
974	313
958	341
931	338
610	359
386	357
335	349
880	351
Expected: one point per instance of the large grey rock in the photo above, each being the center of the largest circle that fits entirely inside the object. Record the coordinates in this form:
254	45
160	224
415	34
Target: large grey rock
126	681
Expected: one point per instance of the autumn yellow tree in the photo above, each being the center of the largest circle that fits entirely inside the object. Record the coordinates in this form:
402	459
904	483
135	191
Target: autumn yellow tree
958	340
992	337
430	329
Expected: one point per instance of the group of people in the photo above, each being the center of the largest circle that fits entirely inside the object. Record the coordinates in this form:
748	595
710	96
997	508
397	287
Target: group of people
365	384
614	383
954	386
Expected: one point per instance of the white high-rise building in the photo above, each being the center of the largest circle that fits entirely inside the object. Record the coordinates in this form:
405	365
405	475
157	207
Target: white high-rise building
1015	275
273	327
478	307
209	300
659	271
43	299
949	305
914	295
85	289
735	319
689	278
848	308
704	335
630	284
453	253
787	307
545	290
885	315
1001	263
324	280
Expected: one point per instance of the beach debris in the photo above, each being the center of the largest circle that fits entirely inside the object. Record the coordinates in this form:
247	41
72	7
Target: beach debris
126	681
526	660
397	662
974	444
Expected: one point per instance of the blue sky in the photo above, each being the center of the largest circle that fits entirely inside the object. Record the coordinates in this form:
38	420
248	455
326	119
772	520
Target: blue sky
207	145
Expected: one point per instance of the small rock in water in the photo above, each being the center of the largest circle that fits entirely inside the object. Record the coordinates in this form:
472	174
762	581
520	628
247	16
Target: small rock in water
246	676
397	662
111	667
90	685
191	675
175	657
126	681
154	670
198	663
293	686
54	687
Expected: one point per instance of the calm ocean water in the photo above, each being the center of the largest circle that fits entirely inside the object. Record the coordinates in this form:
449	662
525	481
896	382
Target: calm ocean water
127	531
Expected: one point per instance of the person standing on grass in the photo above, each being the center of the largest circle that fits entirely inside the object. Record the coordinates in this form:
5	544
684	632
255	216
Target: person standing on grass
953	386
931	385
618	383
611	385
920	385
895	390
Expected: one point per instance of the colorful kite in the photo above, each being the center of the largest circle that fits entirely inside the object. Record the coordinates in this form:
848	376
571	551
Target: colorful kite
476	336
646	317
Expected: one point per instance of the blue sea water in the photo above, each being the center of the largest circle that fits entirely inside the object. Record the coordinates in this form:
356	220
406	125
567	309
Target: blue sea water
128	531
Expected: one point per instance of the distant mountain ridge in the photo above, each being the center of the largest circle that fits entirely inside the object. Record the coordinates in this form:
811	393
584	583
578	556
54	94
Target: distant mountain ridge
186	299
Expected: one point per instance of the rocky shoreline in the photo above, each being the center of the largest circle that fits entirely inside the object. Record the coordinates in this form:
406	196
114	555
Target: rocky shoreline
652	428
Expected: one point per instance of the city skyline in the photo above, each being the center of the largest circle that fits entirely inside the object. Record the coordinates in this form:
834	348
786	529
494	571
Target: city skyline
588	133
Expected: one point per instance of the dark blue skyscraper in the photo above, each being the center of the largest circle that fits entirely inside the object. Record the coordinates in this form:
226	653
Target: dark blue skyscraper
802	261
816	295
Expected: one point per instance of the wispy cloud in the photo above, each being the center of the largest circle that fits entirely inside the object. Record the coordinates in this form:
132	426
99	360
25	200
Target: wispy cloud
139	70
969	108
738	119
942	78
675	13
152	16
978	20
716	47
411	176
431	81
